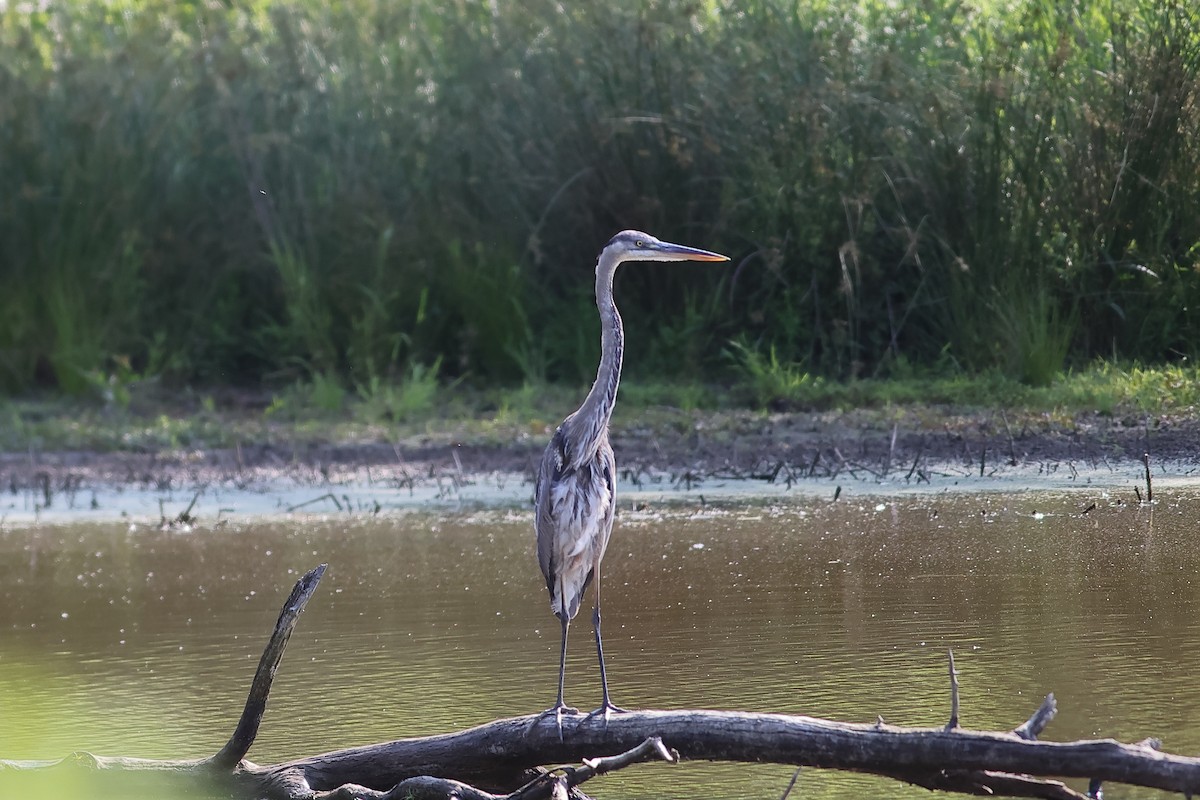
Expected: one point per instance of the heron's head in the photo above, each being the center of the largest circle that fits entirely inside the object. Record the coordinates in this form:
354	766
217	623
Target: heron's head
638	246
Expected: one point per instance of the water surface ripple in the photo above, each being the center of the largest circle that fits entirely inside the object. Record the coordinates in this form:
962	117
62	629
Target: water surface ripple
130	640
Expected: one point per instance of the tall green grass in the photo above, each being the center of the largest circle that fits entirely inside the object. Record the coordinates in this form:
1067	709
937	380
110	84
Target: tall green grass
286	190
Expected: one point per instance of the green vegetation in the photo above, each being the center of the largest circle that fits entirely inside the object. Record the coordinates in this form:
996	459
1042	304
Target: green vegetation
365	200
424	413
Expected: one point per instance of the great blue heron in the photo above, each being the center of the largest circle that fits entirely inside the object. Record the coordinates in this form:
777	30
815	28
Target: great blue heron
576	483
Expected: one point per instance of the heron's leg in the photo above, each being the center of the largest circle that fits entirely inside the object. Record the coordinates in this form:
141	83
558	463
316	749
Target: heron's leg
560	708
562	661
606	703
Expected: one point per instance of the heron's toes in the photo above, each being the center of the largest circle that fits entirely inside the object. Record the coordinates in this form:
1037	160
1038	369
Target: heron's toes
558	711
605	710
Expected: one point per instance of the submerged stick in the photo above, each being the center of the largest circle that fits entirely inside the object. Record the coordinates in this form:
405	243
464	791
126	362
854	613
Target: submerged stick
326	496
792	783
243	737
1149	488
1012	450
916	460
887	462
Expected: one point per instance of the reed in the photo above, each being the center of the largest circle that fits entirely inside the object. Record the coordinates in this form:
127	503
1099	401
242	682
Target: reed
285	190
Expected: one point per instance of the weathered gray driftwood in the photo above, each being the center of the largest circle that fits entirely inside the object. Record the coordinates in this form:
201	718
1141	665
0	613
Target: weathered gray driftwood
506	758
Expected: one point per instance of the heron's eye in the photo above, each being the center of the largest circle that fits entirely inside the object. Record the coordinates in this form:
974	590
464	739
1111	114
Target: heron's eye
639	244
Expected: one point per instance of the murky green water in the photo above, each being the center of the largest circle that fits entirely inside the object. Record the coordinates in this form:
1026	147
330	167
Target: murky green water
141	642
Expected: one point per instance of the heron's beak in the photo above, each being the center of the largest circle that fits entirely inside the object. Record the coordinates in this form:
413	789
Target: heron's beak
685	253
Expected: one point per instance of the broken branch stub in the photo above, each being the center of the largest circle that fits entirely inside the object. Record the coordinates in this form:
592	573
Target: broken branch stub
260	688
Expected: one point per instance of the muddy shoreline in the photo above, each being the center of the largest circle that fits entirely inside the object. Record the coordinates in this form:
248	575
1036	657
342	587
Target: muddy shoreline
864	449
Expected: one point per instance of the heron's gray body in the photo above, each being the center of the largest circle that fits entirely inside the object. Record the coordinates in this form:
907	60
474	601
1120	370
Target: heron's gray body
576	491
576	488
579	506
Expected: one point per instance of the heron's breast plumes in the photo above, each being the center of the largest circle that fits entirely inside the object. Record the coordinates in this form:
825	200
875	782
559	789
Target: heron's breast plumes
580	507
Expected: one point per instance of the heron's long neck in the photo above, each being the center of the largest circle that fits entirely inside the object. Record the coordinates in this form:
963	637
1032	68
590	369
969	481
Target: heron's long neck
592	417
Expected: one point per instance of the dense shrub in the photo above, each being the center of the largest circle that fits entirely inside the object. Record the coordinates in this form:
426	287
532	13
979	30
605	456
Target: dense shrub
232	192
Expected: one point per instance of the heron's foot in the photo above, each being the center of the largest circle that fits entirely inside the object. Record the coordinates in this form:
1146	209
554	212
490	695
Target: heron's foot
558	709
605	710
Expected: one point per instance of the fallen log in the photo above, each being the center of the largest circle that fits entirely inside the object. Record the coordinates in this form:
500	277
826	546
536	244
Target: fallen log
508	758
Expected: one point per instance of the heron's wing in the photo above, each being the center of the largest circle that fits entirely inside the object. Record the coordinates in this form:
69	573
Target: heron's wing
549	471
608	467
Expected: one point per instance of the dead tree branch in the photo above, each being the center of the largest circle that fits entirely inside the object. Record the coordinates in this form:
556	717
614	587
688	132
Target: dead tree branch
256	703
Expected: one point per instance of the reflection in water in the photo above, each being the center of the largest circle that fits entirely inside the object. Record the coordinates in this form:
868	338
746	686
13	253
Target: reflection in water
140	642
